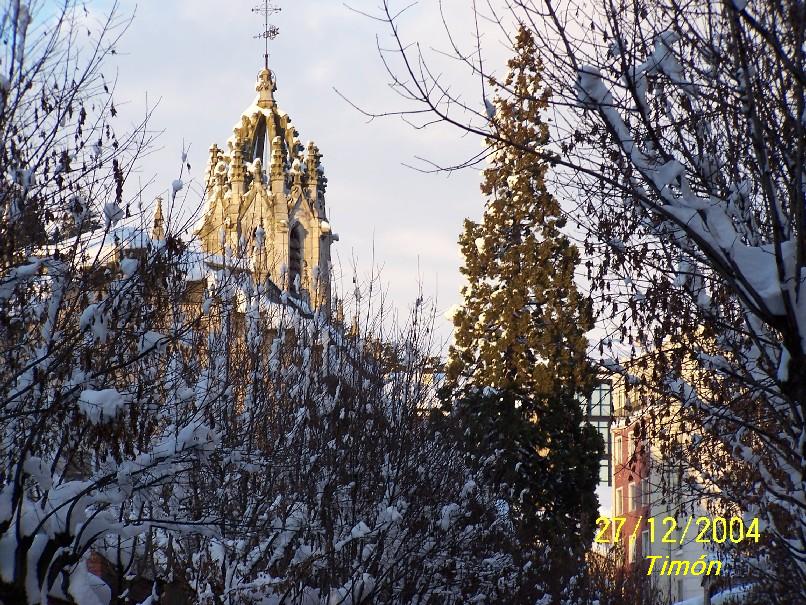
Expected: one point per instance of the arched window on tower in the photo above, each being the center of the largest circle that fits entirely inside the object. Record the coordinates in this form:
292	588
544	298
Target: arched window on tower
295	239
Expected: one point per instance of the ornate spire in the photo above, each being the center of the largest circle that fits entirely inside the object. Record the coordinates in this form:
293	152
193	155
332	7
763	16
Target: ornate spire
312	167
237	169
212	164
277	163
158	228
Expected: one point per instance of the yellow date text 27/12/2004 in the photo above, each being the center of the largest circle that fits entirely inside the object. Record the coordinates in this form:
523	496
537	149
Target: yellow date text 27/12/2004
705	530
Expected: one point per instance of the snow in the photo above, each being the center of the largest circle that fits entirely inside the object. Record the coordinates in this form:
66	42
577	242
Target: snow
24	177
7	546
783	365
94	319
359	531
489	108
79	208
87	588
102	246
153	598
721	227
113	213
16	276
448	515
35	552
591	91
176	187
353	592
129	266
613	366
39	470
153	341
392	515
197	436
757	264
101	406
669	174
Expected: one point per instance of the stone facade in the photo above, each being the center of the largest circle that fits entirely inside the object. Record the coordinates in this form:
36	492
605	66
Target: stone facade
265	202
647	484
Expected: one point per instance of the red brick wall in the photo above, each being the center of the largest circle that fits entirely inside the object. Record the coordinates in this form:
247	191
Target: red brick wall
631	467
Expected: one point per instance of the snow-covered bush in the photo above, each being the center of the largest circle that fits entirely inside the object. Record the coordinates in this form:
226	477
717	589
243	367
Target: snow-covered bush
331	485
89	439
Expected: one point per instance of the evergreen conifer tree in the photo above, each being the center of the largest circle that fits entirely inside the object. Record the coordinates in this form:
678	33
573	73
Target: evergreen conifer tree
518	369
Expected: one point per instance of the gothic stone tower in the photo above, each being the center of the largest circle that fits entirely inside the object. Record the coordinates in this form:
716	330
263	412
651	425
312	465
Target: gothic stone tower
265	203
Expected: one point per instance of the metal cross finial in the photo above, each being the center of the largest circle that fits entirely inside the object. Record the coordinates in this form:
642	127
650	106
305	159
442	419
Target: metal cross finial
270	32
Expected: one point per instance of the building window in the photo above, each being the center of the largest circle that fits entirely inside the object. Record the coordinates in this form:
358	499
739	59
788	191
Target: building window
603	426
601	401
604	472
617	450
294	258
631	550
598	413
646	493
619	507
646	545
633	496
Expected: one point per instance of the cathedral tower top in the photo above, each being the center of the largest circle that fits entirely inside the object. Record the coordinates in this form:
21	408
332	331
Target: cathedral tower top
265	198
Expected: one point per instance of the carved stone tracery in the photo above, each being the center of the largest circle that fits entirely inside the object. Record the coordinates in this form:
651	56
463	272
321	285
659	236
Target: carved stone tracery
245	195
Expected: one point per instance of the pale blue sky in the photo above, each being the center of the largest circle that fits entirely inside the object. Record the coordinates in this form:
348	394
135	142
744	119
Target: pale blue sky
199	59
